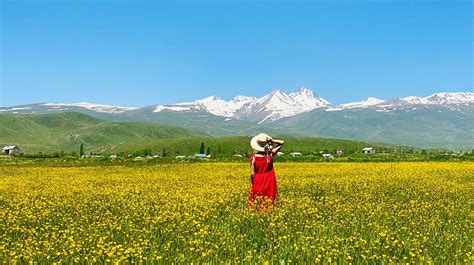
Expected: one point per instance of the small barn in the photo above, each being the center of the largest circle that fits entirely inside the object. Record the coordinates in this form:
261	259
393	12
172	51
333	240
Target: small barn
11	150
295	154
368	150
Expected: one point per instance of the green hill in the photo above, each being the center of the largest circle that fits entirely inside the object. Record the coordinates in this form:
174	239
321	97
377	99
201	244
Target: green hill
241	145
66	131
50	133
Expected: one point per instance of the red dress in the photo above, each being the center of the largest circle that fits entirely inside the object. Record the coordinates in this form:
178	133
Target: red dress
264	182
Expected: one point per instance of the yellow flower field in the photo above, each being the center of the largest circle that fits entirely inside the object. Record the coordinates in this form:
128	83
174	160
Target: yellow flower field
197	212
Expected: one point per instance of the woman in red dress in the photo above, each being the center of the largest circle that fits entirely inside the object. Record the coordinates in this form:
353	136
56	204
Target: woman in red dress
264	187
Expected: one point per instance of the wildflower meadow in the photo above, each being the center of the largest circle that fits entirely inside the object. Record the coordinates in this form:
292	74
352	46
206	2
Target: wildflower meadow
410	212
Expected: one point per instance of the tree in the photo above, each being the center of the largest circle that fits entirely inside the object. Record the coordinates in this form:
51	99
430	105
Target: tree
164	153
208	152
81	150
201	149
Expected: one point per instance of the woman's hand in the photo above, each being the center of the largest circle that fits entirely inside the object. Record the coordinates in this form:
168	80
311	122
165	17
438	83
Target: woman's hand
278	142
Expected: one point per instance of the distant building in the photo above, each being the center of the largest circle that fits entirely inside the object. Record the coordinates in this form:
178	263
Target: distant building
280	153
91	156
180	157
200	155
328	156
340	152
368	150
113	156
237	155
11	150
295	154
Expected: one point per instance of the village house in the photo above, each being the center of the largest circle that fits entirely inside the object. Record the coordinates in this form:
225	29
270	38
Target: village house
295	154
201	156
368	150
11	150
328	156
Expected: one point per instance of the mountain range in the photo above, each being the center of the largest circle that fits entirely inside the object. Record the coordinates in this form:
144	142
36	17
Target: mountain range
443	119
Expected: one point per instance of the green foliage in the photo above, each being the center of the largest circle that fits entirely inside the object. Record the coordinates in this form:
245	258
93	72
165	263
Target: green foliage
164	152
81	150
201	149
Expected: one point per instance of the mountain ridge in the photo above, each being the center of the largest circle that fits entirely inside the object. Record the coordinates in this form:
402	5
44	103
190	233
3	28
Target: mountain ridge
268	108
442	119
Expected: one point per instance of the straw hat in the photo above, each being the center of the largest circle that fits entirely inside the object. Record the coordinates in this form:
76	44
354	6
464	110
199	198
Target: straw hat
259	141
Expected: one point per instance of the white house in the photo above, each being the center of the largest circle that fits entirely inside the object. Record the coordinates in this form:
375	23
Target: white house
11	150
368	150
180	157
280	153
295	154
328	156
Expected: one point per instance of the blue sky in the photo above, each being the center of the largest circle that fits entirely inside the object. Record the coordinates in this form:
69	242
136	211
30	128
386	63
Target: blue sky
138	53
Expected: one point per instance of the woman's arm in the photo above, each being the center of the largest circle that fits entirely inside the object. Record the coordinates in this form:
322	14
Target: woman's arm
252	169
279	143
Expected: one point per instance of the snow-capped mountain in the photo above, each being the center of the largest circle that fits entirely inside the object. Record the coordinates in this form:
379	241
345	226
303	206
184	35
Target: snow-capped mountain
278	104
213	105
451	98
370	101
270	107
443	98
90	106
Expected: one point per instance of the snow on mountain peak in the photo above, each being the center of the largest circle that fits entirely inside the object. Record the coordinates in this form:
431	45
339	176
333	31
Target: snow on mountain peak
373	100
308	98
367	102
91	106
277	104
451	98
413	100
442	98
242	98
214	105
